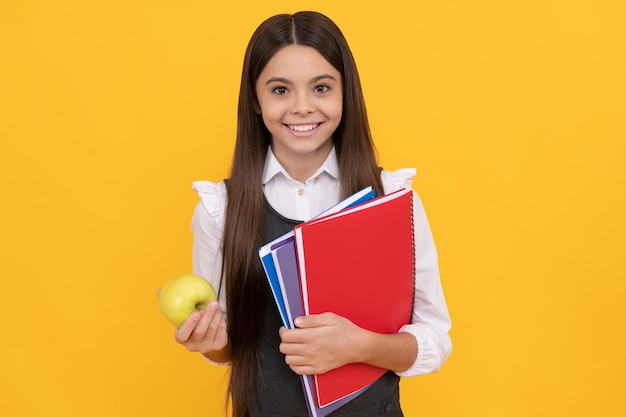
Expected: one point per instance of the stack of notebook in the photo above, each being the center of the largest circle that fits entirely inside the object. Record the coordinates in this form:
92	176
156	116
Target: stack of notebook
355	260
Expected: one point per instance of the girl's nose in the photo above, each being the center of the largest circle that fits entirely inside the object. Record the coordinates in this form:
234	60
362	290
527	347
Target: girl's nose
302	104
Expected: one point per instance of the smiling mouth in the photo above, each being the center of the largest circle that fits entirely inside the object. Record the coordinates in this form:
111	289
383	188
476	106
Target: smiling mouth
303	128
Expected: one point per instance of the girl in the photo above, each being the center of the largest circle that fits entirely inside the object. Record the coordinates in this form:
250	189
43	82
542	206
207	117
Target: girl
303	144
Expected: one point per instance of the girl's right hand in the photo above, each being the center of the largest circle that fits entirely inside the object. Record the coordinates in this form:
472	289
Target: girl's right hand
206	333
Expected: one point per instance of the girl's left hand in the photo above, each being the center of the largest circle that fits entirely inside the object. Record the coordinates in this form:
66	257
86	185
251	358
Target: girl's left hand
320	342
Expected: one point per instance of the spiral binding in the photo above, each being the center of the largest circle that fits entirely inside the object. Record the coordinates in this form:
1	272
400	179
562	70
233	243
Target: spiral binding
413	268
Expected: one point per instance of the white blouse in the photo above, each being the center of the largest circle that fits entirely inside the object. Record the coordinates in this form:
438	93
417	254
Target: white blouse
302	201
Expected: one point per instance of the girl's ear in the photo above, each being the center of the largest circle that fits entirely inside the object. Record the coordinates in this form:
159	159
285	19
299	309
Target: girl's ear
257	108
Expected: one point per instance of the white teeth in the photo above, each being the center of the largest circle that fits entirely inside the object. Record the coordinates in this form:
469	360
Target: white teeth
303	128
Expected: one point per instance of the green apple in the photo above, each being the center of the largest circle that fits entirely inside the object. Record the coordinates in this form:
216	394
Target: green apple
181	296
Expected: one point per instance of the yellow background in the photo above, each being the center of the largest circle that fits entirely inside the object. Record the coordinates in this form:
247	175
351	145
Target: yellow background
512	111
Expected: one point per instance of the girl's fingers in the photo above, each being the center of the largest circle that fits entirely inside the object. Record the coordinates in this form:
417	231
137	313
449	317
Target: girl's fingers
204	332
184	332
202	327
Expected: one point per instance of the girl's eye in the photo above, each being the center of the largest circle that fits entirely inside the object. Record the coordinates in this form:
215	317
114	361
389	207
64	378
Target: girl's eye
279	90
321	88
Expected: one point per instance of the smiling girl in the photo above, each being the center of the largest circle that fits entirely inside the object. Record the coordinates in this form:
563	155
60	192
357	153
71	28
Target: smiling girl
303	143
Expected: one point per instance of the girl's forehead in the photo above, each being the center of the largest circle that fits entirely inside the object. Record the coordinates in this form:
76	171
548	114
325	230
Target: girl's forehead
297	61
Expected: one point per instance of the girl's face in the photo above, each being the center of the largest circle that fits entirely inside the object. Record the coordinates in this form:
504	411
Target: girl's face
300	99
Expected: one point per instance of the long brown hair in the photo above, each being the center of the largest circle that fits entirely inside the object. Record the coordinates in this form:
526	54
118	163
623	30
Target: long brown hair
245	212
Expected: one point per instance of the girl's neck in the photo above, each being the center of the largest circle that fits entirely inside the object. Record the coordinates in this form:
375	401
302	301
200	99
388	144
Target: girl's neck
301	172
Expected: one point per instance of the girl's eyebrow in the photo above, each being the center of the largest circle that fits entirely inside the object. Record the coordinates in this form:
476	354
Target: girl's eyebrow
323	77
314	80
278	80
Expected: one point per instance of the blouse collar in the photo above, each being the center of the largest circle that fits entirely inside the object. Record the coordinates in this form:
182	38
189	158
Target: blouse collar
273	167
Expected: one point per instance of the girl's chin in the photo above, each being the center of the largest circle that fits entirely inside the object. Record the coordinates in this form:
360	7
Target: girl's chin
299	148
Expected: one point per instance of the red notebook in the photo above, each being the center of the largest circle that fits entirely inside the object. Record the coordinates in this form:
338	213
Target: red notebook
360	264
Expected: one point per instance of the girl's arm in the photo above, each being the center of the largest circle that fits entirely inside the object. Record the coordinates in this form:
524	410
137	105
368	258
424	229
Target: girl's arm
207	333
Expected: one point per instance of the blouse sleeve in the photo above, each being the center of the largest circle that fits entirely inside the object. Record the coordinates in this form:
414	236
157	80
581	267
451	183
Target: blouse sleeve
430	324
207	226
